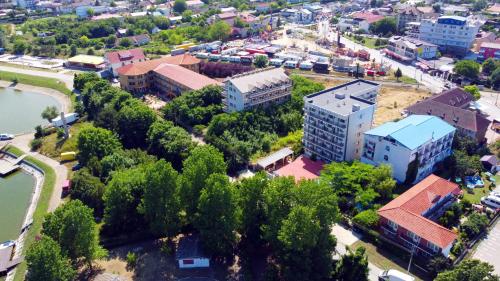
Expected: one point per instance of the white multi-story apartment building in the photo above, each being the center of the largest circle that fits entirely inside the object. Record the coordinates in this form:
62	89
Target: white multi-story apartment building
336	118
256	88
426	139
453	34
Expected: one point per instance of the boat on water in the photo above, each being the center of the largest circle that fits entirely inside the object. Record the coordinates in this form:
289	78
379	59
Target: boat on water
7	244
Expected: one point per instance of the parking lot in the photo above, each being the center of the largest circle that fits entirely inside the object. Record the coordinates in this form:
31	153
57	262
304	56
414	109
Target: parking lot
488	248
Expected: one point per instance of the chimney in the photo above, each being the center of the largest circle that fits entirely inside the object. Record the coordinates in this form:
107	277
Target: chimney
356	107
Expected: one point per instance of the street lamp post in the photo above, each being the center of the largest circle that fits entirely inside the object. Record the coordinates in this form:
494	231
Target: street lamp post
411	256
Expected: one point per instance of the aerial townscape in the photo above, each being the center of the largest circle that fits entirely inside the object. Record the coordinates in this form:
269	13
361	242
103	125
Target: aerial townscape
249	140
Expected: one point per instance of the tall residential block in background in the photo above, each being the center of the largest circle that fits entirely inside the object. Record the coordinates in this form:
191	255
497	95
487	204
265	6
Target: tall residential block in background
336	118
256	88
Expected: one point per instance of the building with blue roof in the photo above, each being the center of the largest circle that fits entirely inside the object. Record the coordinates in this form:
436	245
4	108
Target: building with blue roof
422	138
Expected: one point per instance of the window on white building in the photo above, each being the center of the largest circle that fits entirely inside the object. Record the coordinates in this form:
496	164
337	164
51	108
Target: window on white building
386	158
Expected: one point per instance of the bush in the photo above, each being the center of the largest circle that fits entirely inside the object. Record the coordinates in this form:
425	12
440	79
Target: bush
131	260
38	132
35	144
60	133
475	224
198	129
367	218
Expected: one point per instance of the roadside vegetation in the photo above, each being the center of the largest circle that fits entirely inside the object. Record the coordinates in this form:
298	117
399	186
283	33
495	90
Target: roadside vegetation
37	81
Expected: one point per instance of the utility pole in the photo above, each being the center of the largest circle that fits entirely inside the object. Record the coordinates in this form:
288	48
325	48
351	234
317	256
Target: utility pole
411	257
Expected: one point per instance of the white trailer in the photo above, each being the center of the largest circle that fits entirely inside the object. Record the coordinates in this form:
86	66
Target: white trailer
70	118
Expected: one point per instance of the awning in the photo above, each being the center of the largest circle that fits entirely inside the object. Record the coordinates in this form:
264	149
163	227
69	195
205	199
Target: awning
275	157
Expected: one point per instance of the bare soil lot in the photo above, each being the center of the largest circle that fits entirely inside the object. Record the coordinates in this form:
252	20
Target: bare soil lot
154	264
392	100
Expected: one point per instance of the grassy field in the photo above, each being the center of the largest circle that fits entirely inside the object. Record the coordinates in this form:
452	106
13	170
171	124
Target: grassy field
35	81
474	195
41	208
53	147
385	259
368	42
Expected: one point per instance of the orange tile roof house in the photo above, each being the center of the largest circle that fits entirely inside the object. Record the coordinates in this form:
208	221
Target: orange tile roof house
166	76
409	220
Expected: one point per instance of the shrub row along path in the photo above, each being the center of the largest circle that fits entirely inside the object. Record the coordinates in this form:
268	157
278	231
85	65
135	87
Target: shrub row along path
66	78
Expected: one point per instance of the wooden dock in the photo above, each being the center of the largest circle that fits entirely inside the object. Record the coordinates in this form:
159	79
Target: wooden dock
6	261
8	166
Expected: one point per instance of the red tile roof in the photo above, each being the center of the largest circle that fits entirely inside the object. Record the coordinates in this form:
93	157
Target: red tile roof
125	55
369	17
142	68
301	168
406	210
188	78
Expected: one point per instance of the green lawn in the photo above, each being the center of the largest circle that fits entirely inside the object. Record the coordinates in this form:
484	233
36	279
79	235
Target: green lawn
386	259
38	81
41	208
474	195
368	42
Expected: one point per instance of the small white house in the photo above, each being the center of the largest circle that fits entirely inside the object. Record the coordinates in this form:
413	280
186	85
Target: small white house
189	253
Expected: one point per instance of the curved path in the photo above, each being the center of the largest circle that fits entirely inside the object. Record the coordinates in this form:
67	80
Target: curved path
67	79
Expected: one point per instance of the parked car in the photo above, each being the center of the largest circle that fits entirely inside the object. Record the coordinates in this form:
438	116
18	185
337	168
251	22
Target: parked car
6	137
491	201
394	275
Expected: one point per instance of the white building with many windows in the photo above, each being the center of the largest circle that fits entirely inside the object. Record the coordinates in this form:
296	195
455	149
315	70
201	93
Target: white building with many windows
256	88
336	118
418	141
452	34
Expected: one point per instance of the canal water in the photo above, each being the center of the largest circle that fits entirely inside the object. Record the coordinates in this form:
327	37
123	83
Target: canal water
20	111
15	195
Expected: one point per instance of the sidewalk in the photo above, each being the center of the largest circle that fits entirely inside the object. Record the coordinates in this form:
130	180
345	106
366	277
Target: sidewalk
345	238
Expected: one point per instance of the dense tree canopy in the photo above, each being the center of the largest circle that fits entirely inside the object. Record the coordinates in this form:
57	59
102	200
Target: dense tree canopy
161	204
46	262
88	189
204	161
385	26
73	227
216	220
169	142
96	142
467	68
470	270
134	120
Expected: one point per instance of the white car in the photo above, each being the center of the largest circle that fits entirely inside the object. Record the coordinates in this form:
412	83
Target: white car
6	137
394	275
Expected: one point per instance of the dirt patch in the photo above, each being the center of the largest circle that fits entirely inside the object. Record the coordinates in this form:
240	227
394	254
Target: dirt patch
155	264
393	100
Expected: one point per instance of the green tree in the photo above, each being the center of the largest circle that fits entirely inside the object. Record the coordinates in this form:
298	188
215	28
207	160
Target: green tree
367	218
490	65
46	262
160	204
352	266
19	46
204	161
474	225
216	220
125	42
122	197
385	26
474	91
470	270
495	78
437	264
466	165
220	30
134	120
50	112
252	203
96	142
398	74
467	68
261	61
80	80
88	189
73	50
298	235
180	6
479	5
169	142
72	225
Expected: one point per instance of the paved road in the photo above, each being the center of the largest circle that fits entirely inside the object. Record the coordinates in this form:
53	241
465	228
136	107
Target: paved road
22	142
435	84
347	237
489	247
67	79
